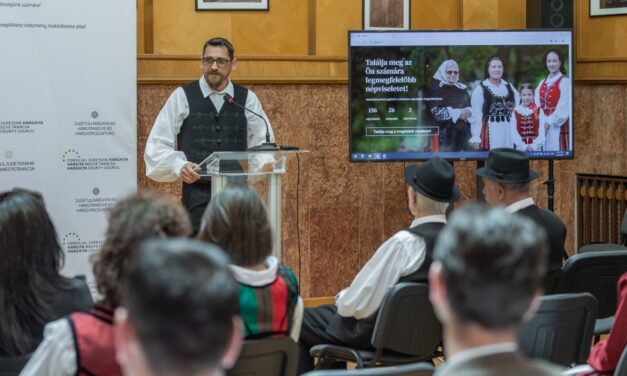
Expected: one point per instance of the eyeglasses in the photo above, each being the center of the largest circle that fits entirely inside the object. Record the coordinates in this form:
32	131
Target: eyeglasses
452	72
208	61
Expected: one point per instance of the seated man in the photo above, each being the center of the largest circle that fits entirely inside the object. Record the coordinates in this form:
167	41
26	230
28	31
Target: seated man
405	257
180	311
506	179
485	279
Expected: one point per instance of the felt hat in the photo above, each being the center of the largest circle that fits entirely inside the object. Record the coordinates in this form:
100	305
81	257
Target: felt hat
507	165
434	179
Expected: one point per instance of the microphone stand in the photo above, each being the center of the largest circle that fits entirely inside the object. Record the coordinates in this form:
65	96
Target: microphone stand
266	146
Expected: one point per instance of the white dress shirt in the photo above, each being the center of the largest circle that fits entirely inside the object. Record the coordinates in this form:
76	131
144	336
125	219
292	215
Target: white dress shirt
163	162
56	354
519	205
400	255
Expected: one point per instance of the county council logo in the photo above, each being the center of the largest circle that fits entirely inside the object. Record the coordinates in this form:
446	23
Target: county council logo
94	114
70	237
95	191
69	153
8	154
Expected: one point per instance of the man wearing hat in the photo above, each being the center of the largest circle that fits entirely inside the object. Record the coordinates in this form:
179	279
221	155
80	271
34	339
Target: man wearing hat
506	179
405	257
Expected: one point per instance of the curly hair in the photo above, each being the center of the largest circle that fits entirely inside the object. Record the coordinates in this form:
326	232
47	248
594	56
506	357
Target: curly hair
132	220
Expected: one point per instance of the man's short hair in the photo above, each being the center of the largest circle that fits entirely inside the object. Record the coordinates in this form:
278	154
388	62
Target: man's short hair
493	264
220	42
181	299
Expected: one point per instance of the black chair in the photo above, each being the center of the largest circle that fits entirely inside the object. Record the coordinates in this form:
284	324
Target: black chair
267	357
621	367
11	366
596	273
600	247
561	330
406	331
416	369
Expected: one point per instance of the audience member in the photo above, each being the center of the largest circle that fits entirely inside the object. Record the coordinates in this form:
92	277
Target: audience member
32	292
485	279
178	313
506	179
605	354
236	220
405	257
83	342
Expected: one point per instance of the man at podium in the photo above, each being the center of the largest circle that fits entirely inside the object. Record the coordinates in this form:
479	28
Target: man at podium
208	115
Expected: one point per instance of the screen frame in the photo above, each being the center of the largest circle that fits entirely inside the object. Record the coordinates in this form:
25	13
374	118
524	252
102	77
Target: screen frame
571	75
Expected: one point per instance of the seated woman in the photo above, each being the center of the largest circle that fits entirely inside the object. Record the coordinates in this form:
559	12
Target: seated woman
236	220
604	355
83	342
32	292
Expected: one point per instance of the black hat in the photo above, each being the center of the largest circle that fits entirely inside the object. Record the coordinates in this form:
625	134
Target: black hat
434	179
507	165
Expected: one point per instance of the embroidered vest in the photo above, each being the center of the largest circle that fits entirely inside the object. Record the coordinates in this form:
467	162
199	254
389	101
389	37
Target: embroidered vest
206	130
93	342
429	232
527	125
549	96
268	310
497	108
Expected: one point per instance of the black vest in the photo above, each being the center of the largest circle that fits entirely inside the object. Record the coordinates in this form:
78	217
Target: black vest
206	130
429	232
353	332
497	108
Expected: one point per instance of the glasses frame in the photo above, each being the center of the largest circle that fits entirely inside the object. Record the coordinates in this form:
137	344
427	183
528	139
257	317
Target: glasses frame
220	62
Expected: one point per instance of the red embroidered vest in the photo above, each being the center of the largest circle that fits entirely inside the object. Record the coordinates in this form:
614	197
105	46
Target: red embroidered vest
527	125
93	342
549	96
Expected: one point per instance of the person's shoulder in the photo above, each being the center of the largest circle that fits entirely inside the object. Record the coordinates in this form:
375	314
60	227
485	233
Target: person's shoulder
76	297
501	364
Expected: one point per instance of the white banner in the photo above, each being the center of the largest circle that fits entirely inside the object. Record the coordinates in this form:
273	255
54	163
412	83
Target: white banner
68	108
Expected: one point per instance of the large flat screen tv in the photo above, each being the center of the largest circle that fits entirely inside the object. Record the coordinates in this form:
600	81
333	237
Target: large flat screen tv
459	94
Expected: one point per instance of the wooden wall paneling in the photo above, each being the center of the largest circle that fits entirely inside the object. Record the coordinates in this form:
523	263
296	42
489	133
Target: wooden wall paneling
333	21
435	15
156	69
494	14
140	26
599	46
282	30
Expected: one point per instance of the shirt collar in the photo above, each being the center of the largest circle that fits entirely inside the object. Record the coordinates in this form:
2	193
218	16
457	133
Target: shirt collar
207	91
481	351
430	218
521	204
257	277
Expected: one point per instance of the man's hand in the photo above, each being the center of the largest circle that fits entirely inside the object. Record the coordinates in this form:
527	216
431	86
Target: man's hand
267	167
188	174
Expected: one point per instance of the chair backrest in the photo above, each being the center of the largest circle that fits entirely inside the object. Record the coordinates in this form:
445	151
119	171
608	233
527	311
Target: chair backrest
623	228
596	273
415	369
11	366
406	322
267	357
561	330
621	367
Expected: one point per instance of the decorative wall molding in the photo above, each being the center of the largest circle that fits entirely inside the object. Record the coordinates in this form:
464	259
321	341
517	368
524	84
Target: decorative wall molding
177	69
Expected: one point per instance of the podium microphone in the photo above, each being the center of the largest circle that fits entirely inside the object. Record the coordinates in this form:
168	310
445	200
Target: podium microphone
266	146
